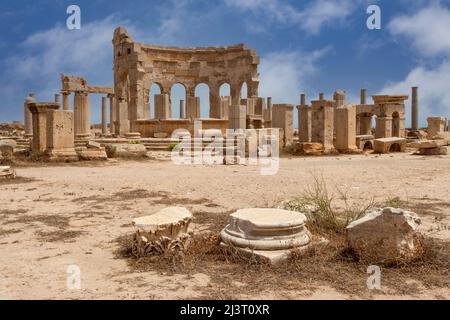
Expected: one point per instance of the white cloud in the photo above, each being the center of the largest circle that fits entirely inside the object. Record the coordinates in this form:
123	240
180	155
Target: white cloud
434	90
310	19
283	75
428	30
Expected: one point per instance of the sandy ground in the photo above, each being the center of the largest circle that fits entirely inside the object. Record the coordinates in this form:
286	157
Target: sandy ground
71	215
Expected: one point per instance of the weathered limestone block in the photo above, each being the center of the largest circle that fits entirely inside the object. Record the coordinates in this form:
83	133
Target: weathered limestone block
438	151
7	148
90	154
387	145
385	236
436	125
7	173
164	232
60	136
237	117
427	144
39	118
312	148
130	150
345	127
283	118
322	123
269	234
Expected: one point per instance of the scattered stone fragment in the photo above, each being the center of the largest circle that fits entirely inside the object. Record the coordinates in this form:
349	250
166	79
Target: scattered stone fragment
163	232
386	235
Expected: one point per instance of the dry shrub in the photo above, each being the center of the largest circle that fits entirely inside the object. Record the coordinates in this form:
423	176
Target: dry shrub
317	204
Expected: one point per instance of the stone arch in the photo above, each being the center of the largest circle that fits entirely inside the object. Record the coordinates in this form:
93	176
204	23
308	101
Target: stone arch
368	145
202	90
225	89
395	147
178	93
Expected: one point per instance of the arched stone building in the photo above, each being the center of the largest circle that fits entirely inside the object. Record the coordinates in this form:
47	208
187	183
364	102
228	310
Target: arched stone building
137	66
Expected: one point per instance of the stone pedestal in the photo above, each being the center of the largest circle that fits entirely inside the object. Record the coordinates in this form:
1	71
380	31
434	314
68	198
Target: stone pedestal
39	117
163	232
436	125
268	234
60	136
122	124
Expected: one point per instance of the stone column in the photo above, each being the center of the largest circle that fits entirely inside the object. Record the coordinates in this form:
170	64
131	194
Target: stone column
81	116
322	119
321	96
304	123
57	98
303	99
346	128
112	113
269	103
28	122
225	104
415	109
65	100
104	124
384	127
363	96
182	109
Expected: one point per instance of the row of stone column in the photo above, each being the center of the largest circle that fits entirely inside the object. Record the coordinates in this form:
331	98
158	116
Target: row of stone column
82	128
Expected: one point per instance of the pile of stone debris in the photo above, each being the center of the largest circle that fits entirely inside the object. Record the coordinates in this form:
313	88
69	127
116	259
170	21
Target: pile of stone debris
11	129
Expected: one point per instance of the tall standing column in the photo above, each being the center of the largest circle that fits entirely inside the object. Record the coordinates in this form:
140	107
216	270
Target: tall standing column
363	96
65	100
415	109
56	98
81	114
28	122
321	96
104	125
112	113
182	109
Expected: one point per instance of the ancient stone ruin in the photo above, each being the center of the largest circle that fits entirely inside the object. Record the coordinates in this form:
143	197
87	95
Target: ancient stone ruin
267	234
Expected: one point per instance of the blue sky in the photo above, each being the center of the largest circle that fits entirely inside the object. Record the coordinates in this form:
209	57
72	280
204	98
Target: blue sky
305	46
